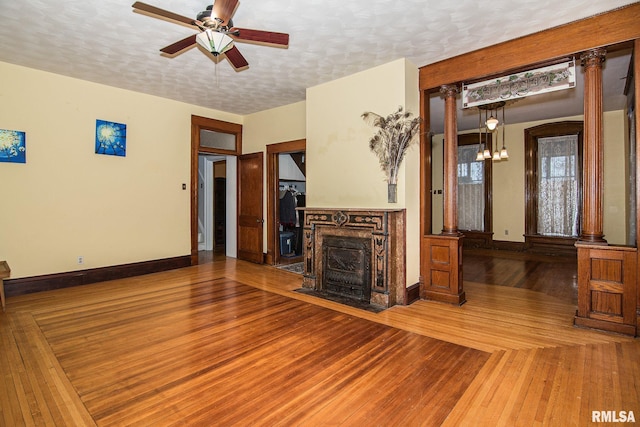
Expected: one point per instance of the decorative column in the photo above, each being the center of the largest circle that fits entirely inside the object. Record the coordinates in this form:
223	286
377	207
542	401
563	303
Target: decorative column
592	187
450	226
441	254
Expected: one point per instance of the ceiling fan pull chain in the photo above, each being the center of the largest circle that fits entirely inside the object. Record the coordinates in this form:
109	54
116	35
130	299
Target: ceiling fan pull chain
216	73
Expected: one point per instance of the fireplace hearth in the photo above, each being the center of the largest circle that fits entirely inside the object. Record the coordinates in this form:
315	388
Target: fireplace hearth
356	257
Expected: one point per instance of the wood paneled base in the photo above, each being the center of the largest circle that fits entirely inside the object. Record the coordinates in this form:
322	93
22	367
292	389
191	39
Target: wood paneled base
457	299
412	293
607	288
28	285
603	325
441	269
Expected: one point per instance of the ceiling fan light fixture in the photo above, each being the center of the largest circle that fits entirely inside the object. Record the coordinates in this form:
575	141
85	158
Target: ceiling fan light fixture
214	41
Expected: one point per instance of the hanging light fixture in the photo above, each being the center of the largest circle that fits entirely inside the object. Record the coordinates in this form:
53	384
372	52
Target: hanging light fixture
487	151
214	41
491	126
492	123
503	152
479	156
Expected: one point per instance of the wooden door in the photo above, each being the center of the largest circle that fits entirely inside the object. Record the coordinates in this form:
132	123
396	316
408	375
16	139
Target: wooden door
250	212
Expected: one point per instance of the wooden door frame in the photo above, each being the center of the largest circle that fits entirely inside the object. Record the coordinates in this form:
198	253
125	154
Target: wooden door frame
273	150
197	124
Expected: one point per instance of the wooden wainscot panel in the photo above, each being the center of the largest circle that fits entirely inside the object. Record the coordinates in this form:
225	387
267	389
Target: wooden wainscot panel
442	269
607	288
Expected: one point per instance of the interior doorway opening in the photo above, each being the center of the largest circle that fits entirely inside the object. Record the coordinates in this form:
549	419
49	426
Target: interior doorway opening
286	191
212	203
215	147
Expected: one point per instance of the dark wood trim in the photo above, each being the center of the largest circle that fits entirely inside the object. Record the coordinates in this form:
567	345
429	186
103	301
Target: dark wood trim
477	239
550	245
426	198
412	294
636	98
198	123
273	150
28	285
218	126
534	241
621	25
503	245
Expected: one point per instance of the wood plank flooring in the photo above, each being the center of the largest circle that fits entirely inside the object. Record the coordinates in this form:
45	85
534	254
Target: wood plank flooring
230	343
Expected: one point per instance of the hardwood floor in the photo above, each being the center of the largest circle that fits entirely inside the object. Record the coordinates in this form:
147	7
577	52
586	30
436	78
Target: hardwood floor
229	343
556	276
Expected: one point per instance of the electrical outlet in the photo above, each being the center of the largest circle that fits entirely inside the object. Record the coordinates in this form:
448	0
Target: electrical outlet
80	259
506	232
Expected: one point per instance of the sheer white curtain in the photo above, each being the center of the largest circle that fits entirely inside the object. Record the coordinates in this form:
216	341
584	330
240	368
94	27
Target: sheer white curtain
558	186
470	189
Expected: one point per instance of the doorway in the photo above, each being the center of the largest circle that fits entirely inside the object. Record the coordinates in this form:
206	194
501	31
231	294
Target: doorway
214	143
286	191
212	205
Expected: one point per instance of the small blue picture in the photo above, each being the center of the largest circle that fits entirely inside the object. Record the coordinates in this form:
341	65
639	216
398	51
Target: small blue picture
13	147
111	138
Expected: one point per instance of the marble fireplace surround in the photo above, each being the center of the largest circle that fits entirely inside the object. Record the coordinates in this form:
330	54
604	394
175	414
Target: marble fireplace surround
385	228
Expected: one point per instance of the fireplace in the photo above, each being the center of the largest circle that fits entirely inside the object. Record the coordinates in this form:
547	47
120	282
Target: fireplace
356	255
346	265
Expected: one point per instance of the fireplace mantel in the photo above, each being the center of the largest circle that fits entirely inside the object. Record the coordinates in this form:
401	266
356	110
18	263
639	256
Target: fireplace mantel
386	230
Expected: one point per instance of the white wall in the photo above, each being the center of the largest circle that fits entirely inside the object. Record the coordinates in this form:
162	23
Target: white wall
67	201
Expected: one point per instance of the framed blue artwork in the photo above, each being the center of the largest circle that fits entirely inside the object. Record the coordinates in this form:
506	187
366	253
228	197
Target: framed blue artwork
111	138
13	147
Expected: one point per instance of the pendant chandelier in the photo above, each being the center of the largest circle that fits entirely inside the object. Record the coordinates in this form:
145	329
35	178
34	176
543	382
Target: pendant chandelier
491	126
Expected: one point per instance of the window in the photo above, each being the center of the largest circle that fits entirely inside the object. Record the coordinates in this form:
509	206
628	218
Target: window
558	186
215	136
553	162
471	202
474	186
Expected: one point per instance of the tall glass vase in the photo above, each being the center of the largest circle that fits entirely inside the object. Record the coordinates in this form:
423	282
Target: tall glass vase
392	193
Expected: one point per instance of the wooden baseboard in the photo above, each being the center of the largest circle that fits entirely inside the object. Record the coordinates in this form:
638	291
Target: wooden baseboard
457	299
412	294
28	285
504	245
605	326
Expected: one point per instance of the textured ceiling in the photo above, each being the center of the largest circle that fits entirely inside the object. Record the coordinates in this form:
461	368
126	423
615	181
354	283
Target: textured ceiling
105	41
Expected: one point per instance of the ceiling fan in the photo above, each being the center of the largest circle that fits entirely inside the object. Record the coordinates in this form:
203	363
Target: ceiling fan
217	32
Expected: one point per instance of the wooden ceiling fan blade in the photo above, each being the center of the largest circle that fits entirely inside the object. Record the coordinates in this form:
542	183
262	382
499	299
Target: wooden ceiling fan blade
235	57
179	45
162	13
223	9
246	34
